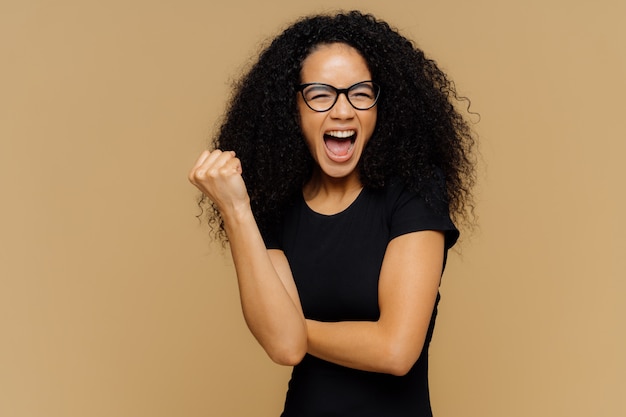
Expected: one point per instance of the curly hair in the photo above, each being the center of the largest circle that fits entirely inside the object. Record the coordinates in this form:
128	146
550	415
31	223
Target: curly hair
420	136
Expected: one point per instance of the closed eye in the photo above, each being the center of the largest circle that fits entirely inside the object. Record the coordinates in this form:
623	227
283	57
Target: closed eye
319	95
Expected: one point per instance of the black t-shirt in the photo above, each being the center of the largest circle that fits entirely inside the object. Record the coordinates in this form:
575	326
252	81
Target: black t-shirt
336	261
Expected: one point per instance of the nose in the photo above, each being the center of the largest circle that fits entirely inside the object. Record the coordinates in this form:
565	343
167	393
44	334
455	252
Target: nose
342	108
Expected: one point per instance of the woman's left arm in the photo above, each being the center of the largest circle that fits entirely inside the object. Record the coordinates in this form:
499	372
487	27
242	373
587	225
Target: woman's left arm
407	290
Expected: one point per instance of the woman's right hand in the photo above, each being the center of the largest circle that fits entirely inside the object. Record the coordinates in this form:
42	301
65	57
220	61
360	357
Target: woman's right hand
218	175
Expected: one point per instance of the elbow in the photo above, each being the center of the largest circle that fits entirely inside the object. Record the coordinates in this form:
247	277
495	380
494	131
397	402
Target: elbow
400	368
400	361
288	355
287	358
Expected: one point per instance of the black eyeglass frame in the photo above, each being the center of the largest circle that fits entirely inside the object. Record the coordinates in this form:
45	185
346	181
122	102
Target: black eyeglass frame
339	91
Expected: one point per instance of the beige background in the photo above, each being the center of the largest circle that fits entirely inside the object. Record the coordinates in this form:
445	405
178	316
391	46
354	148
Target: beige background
112	303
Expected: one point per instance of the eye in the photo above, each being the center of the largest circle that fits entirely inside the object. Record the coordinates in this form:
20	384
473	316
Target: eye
362	94
362	91
319	96
318	93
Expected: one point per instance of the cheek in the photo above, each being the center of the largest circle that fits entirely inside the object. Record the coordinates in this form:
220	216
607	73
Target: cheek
306	133
374	120
310	126
370	124
303	120
300	108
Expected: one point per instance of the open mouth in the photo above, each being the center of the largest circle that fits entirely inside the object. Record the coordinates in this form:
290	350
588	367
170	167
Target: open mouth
340	142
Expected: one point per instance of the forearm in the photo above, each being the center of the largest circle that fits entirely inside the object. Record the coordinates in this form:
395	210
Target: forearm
407	290
270	311
365	345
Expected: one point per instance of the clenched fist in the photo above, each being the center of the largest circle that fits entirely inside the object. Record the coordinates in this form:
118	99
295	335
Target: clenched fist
218	175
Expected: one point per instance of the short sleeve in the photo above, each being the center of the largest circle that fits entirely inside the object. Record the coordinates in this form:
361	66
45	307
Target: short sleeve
409	212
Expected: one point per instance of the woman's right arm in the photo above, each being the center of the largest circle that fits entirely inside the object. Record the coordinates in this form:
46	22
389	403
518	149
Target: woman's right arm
269	298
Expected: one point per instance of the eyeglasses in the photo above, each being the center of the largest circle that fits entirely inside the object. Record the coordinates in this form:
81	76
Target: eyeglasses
322	97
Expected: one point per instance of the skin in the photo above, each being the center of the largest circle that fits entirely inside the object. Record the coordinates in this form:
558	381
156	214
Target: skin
341	66
412	265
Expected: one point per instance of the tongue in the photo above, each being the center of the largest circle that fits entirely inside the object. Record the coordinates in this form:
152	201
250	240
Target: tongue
338	147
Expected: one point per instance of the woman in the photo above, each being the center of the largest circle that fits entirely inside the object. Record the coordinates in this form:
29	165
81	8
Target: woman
335	177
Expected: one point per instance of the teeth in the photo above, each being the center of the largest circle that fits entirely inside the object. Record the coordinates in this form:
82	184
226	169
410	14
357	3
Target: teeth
341	134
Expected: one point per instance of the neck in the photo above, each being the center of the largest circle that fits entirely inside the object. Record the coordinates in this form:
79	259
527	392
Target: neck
330	195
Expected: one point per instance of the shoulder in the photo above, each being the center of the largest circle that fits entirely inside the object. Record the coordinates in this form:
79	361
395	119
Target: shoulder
410	211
